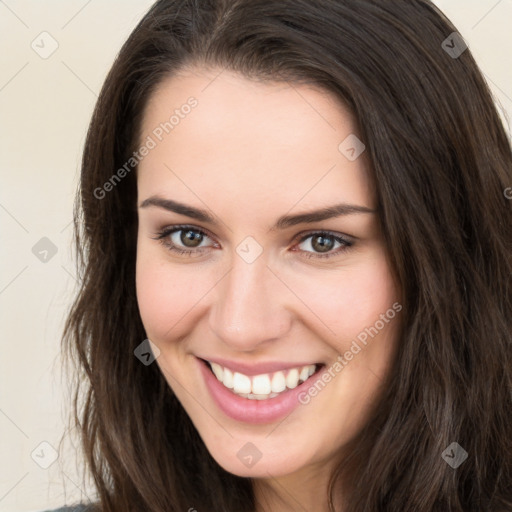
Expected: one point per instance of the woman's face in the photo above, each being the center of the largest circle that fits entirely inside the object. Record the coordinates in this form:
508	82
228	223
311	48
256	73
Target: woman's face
269	264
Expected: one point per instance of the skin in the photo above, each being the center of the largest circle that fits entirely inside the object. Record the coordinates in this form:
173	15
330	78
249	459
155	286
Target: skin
250	152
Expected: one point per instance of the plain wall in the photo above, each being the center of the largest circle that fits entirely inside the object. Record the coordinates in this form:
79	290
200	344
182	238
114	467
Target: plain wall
45	107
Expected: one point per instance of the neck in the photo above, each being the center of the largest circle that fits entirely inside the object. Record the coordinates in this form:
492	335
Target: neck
306	492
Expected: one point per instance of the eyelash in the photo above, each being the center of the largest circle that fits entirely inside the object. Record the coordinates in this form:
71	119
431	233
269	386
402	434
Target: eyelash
162	237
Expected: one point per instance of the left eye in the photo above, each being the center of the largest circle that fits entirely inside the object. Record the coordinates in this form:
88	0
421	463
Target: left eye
188	239
324	243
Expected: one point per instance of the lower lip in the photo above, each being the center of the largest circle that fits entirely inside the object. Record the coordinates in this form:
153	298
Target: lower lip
252	411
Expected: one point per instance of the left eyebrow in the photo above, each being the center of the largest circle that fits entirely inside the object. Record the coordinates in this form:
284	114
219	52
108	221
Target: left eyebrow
282	223
329	212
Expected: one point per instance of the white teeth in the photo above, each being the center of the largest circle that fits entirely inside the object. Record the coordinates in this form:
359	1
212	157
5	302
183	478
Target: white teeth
264	386
278	382
241	383
218	371
292	379
252	396
261	385
227	379
304	373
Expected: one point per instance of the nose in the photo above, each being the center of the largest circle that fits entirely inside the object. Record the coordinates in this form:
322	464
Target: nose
249	307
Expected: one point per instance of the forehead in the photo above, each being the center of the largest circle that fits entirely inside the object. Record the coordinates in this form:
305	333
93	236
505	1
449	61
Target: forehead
249	141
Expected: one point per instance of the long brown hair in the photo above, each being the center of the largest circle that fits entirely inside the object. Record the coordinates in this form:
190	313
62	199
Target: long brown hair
441	164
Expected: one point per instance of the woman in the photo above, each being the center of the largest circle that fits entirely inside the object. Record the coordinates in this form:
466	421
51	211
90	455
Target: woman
294	234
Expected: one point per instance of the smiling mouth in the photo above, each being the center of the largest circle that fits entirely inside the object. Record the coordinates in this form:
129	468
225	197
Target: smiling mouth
265	385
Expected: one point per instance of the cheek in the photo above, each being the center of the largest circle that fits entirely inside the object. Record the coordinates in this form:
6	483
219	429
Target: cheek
166	298
349	300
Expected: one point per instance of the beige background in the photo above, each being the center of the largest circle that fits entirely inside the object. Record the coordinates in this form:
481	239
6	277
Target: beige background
45	105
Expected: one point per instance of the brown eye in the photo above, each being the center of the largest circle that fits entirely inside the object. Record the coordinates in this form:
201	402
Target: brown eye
187	240
184	240
322	245
191	238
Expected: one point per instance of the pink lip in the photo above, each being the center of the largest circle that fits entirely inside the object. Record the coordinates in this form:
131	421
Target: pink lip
256	368
251	411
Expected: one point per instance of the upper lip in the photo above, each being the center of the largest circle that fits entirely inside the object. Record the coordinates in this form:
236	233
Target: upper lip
251	369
